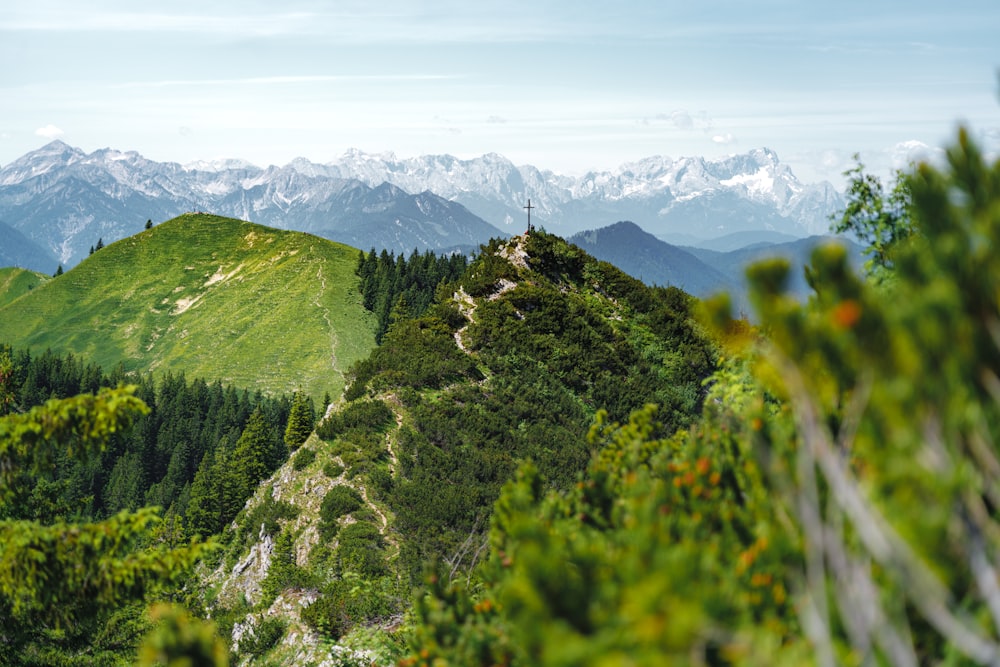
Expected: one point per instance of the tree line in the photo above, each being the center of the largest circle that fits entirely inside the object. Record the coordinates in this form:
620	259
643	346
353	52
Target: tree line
197	453
395	288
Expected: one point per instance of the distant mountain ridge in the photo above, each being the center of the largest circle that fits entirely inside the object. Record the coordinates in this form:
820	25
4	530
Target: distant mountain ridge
655	262
702	271
64	199
703	197
18	250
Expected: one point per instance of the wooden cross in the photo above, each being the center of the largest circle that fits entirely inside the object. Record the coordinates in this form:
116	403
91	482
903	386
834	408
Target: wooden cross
529	207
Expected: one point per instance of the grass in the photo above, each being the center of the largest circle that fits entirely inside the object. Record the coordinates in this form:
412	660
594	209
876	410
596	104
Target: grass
16	282
213	297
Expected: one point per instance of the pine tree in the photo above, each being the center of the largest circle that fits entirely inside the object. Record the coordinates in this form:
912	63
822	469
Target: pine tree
251	453
300	421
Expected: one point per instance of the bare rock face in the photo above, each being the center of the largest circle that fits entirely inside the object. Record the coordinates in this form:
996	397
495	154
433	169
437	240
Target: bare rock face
246	576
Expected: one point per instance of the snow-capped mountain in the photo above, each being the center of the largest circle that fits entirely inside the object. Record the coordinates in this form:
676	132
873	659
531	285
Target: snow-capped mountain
748	191
65	200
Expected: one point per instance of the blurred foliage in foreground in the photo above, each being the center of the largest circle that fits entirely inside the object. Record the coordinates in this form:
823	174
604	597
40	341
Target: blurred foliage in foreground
836	504
71	590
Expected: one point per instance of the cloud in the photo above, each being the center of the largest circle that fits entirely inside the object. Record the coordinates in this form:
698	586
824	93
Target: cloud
724	139
910	152
50	131
496	120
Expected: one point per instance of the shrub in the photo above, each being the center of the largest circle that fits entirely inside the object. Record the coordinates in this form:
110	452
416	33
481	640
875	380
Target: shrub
361	550
303	458
267	514
367	415
265	636
339	500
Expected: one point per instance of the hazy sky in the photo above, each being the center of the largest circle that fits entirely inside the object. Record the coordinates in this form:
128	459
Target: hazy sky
567	86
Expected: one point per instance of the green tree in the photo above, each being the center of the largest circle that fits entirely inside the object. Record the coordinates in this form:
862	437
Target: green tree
149	224
179	640
6	382
59	580
252	453
879	219
301	420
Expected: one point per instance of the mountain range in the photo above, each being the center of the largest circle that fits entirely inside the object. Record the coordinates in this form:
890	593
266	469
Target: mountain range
704	271
63	200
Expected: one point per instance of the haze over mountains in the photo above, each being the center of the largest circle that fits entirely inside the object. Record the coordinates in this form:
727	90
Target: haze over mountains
63	200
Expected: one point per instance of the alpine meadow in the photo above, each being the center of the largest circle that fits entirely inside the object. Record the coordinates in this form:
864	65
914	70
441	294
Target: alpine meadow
542	461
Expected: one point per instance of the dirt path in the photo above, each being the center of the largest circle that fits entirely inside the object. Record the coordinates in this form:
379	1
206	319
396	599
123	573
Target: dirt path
317	301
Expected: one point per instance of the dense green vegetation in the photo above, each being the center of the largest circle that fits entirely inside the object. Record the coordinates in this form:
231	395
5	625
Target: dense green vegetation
560	462
835	504
545	345
72	587
211	297
398	288
165	459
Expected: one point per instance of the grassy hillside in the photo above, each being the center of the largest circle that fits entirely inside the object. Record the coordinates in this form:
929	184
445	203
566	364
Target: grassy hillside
214	297
16	282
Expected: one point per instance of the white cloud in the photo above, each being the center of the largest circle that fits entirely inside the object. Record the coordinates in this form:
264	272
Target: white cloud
496	120
910	152
724	139
50	131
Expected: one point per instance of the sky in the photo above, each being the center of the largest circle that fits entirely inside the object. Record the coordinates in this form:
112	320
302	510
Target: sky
565	86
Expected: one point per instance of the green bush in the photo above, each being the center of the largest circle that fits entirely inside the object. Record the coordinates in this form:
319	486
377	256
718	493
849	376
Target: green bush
332	469
303	458
344	603
366	415
265	636
266	514
361	550
339	500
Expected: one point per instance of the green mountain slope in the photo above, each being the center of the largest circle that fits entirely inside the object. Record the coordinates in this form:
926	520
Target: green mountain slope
16	282
512	362
213	297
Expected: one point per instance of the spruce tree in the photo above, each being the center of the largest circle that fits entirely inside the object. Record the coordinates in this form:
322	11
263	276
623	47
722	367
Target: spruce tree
251	453
300	421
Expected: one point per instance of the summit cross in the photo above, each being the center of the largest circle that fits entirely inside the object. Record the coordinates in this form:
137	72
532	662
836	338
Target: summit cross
529	207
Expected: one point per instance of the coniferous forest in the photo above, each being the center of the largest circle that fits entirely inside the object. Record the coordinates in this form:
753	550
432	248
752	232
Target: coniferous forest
544	461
